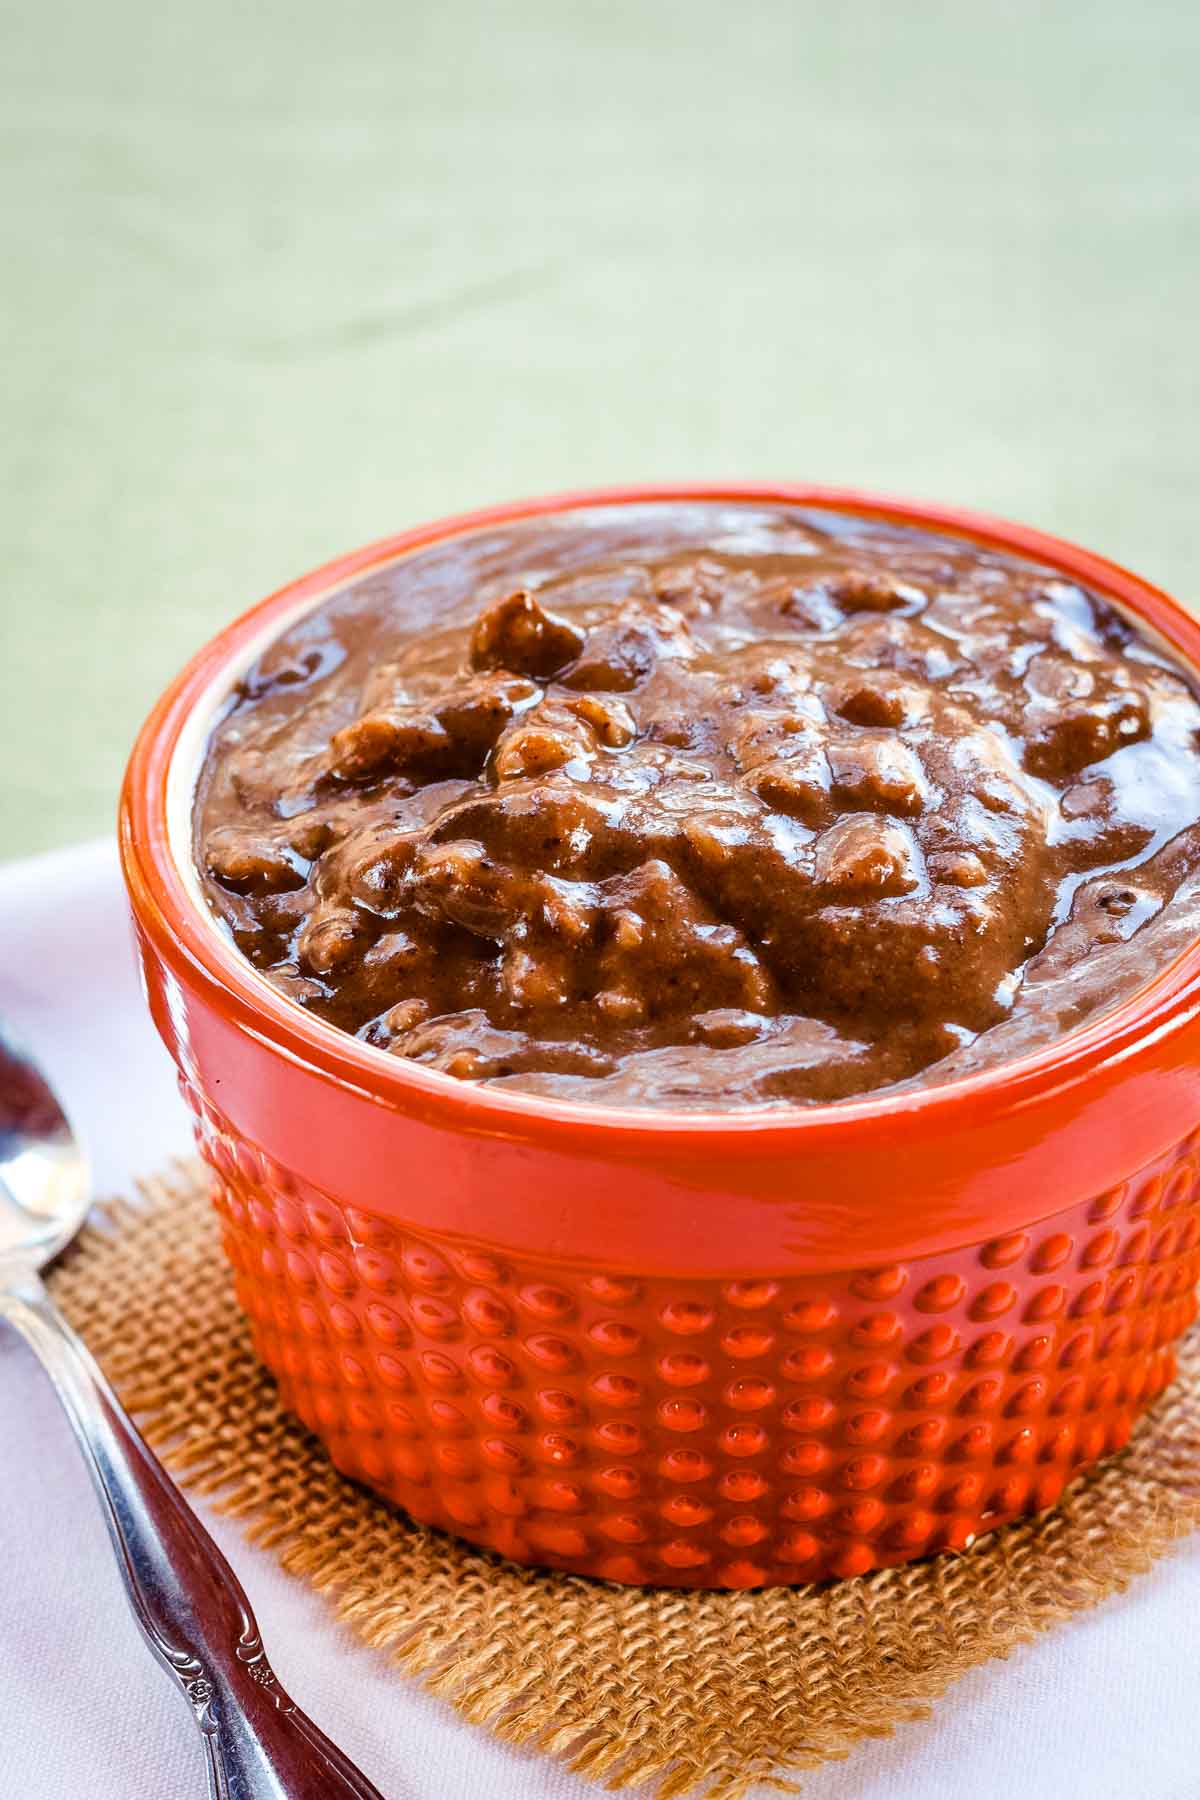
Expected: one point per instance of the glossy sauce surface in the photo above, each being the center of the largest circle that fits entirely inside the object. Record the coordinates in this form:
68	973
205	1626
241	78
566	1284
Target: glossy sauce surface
706	805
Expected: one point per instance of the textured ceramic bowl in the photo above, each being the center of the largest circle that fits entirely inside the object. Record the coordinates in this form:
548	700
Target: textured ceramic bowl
706	1350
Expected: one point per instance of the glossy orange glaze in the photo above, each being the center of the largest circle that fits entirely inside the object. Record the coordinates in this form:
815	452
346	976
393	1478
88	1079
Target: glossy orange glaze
420	1255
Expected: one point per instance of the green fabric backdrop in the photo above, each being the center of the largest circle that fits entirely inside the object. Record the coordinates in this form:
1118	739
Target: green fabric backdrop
281	278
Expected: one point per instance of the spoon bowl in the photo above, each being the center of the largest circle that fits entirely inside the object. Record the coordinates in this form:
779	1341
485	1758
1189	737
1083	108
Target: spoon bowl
44	1185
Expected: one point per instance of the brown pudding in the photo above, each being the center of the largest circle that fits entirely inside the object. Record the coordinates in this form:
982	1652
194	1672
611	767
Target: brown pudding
706	805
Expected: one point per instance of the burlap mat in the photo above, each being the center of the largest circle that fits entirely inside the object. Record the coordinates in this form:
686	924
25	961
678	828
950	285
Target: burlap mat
687	1690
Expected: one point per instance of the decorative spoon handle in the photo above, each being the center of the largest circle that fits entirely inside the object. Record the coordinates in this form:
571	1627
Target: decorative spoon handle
186	1598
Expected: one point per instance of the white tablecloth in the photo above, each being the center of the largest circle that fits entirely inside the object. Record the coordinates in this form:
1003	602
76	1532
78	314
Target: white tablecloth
1107	1708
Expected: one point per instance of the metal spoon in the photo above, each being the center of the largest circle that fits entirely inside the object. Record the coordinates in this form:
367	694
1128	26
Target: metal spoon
186	1598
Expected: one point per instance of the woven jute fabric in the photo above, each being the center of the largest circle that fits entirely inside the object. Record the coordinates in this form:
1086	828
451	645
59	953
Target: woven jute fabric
686	1691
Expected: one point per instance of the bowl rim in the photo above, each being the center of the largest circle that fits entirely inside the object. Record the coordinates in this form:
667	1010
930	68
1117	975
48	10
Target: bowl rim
189	938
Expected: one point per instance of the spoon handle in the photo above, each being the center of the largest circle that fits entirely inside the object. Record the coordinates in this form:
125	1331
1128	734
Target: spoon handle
186	1598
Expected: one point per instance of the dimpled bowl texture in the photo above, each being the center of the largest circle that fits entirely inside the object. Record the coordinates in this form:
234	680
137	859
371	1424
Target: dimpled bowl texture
714	1350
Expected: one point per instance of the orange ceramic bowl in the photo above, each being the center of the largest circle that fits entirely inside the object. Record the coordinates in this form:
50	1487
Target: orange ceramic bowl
712	1350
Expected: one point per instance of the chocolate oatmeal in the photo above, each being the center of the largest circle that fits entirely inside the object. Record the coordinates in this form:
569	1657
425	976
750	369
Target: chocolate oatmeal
706	806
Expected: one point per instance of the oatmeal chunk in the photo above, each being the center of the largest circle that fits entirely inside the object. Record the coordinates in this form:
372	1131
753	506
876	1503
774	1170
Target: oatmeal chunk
519	634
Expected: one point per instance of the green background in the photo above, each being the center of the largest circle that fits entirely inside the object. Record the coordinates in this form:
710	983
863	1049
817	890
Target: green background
281	278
